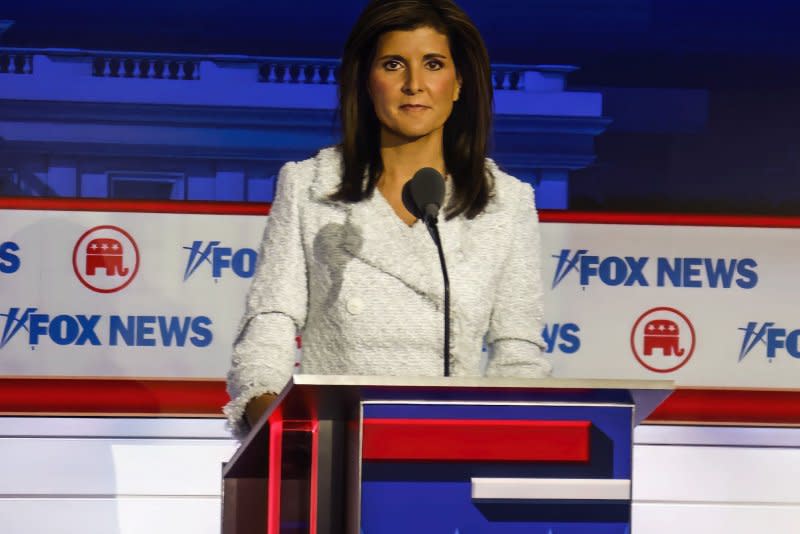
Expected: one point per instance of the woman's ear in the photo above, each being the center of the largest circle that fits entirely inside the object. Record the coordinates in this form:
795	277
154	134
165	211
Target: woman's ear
457	89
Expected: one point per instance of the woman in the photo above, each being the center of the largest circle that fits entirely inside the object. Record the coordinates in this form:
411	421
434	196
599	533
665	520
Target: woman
345	264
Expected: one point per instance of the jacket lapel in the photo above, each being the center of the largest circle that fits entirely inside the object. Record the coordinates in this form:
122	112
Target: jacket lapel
388	244
374	234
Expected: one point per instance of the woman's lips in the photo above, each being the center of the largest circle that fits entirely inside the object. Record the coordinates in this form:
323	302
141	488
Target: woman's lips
413	107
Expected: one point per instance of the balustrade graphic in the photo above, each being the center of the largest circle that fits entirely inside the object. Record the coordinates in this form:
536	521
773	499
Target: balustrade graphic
15	62
292	70
230	113
188	67
158	68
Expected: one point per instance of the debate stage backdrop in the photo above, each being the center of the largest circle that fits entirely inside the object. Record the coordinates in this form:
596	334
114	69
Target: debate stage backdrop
646	108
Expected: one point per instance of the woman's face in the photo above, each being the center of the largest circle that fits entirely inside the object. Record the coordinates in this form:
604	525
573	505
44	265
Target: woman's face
413	84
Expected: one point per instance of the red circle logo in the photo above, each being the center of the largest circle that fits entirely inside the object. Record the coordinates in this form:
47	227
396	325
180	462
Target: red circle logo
105	259
663	339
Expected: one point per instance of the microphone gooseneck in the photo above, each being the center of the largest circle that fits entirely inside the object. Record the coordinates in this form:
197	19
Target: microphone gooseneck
423	196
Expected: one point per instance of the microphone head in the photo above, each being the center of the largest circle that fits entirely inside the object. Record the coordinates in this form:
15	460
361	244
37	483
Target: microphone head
424	193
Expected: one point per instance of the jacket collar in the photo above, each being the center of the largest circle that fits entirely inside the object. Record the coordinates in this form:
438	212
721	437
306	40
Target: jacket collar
376	235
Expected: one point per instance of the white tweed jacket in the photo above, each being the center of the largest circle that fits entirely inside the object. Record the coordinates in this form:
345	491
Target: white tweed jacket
365	289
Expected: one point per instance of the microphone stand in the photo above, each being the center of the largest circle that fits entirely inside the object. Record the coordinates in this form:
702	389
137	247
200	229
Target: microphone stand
433	229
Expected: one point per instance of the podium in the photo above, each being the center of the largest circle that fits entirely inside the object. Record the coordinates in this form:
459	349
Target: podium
386	455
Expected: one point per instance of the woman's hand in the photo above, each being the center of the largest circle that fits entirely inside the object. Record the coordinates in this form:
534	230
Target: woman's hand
256	407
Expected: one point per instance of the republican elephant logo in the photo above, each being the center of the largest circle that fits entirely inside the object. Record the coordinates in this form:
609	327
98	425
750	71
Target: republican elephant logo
105	253
105	259
663	339
662	334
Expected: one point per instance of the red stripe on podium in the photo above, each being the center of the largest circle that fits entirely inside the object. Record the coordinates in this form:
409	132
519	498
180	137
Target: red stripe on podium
476	440
730	406
205	398
112	396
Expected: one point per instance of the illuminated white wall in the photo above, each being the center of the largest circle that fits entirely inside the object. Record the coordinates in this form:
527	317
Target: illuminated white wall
126	476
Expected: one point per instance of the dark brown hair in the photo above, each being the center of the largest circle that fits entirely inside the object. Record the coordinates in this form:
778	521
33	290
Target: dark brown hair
466	132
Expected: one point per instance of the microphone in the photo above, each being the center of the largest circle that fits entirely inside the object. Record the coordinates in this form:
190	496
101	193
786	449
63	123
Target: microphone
423	196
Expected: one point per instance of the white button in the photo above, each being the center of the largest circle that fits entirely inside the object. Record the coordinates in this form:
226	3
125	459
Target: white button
355	305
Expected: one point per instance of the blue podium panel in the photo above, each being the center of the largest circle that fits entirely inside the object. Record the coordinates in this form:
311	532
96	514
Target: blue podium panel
495	468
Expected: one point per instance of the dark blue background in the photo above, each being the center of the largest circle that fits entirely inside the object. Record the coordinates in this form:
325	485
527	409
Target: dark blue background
702	94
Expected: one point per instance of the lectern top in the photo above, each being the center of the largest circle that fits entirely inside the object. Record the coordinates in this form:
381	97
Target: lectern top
338	397
476	382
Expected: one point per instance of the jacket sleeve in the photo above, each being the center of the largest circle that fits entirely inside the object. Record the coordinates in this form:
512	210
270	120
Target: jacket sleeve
264	350
515	328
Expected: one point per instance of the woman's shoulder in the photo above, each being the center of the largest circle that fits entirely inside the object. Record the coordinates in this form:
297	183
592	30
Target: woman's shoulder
320	173
327	160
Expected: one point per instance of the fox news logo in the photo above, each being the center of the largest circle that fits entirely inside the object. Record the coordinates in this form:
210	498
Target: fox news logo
663	272
774	338
242	261
562	336
9	260
112	330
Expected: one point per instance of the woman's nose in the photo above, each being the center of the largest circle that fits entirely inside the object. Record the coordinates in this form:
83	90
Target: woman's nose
413	82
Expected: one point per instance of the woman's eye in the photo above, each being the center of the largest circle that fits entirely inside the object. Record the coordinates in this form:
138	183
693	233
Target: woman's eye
392	65
435	65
